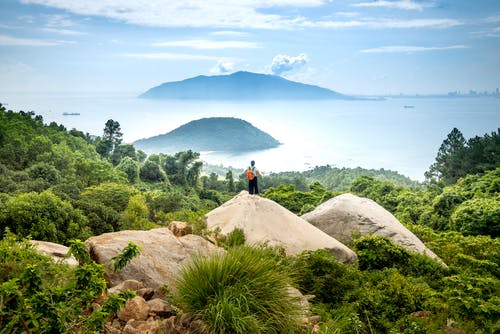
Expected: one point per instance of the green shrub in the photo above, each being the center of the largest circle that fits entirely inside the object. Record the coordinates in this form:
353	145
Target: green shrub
43	216
233	239
478	216
320	274
241	291
39	296
386	296
376	252
472	301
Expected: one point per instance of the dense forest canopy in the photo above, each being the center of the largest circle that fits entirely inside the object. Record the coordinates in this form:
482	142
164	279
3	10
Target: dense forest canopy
210	134
63	185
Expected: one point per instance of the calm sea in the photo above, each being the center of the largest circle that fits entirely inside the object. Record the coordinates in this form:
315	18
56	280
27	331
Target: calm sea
368	134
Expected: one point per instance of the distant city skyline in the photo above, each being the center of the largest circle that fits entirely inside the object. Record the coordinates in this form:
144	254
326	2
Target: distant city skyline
359	47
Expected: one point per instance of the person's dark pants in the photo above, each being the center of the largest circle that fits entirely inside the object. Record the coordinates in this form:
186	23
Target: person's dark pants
253	187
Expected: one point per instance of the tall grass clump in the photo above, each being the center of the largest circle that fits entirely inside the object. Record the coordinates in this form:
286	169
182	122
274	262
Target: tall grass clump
241	291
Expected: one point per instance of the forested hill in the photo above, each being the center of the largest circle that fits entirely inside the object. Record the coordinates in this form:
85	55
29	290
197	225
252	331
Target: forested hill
240	86
62	185
210	134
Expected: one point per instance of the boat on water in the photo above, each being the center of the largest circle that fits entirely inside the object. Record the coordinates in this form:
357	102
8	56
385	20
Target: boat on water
71	113
408	107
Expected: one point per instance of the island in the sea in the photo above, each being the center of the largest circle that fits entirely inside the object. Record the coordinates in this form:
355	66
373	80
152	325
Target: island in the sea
241	86
210	134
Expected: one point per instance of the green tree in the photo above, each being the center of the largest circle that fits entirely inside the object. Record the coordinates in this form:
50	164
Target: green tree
122	151
113	195
45	217
140	156
130	167
449	165
112	132
136	214
103	147
183	168
230	182
44	171
92	172
478	216
150	171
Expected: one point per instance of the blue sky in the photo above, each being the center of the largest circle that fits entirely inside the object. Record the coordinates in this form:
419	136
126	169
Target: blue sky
354	47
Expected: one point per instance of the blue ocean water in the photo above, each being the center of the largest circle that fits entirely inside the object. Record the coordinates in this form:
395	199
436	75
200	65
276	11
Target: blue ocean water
369	134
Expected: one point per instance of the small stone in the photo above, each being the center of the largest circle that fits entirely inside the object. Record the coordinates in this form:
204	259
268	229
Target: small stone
141	327
136	308
146	293
130	284
180	229
109	329
160	308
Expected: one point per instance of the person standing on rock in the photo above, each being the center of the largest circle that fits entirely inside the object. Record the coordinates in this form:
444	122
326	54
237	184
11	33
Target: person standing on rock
252	173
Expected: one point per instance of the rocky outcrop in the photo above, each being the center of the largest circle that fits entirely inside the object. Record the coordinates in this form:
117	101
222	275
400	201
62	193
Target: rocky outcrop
143	315
263	220
180	229
56	251
347	214
161	257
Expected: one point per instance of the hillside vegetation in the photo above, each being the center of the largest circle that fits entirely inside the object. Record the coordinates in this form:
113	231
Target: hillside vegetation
63	185
240	86
210	134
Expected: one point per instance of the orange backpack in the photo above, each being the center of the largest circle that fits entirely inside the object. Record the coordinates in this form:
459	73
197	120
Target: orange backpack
250	173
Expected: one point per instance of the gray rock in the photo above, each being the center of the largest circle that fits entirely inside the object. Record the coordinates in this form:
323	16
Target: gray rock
146	293
347	214
56	251
136	308
142	327
180	229
130	284
160	308
161	257
263	220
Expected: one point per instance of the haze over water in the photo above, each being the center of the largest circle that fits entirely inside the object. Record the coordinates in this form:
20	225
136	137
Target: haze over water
368	134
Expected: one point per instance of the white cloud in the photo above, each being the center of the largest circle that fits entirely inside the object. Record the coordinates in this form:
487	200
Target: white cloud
60	24
400	4
284	63
493	32
179	13
347	14
210	44
387	24
492	19
170	56
16	41
223	14
411	49
59	21
222	67
67	32
229	33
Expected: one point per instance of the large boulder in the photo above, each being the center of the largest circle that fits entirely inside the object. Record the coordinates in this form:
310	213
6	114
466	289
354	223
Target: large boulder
57	252
346	215
161	258
263	220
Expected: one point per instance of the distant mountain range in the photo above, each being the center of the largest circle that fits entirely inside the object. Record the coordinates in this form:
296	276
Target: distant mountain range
240	86
210	134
